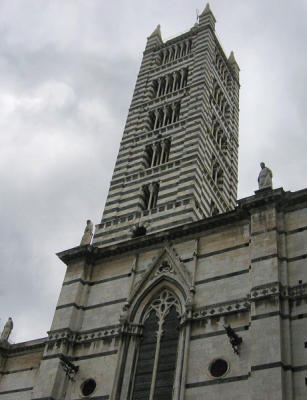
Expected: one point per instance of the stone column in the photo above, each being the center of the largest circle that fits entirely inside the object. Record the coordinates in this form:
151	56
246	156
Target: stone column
151	189
166	84
181	49
176	52
164	56
162	152
182	74
173	108
157	119
164	116
153	154
174	81
159	87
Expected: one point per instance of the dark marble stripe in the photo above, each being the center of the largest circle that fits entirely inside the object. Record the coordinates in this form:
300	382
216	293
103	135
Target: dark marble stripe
16	390
15	371
92	283
217	381
217	333
257	233
214	253
299	368
267	315
279	364
107	303
97	397
283	316
86	357
225	276
261	367
102	354
299	316
292	232
297	258
44	398
102	328
268	257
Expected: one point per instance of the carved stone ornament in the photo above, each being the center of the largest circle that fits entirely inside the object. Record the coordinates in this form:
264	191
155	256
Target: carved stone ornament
165	268
167	264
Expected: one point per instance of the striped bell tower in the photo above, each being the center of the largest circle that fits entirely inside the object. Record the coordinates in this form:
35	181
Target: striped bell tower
178	158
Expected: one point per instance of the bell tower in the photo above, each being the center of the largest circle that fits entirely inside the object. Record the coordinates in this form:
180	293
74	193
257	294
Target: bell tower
178	157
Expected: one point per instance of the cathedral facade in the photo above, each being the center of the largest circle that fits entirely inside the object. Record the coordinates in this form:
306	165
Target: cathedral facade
184	292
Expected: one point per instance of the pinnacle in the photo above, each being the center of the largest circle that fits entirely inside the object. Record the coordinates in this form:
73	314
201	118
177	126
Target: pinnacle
207	9
156	32
231	58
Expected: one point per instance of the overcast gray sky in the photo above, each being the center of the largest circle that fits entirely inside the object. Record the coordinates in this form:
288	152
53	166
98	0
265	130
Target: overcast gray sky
67	73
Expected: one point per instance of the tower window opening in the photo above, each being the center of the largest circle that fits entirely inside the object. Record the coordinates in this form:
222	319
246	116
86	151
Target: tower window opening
148	156
213	209
157	153
169	83
221	101
150	195
164	116
175	51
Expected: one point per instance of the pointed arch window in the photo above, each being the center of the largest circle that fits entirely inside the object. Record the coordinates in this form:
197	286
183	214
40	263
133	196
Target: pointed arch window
156	364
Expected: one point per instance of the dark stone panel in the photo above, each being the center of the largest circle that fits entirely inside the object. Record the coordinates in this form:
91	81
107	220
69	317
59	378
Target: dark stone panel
143	374
167	357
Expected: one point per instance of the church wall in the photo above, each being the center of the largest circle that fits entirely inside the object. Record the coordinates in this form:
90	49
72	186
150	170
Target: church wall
245	269
20	368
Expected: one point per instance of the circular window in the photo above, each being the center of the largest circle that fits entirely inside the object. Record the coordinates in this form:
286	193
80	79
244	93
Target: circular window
218	368
88	387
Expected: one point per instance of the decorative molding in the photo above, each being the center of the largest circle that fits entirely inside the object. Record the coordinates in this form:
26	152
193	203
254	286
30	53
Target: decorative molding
276	290
298	292
66	335
273	290
220	309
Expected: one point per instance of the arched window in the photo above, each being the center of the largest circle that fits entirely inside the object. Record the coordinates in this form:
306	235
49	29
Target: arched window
149	195
157	357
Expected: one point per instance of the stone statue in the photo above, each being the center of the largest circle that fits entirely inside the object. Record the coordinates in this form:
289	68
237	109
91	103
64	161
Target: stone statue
88	233
8	327
265	177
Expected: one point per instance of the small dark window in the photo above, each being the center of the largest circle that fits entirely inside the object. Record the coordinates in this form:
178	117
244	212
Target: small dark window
305	381
305	345
218	368
139	231
88	387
